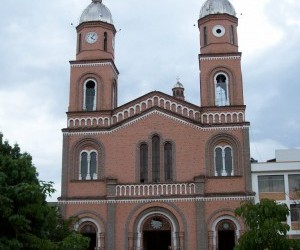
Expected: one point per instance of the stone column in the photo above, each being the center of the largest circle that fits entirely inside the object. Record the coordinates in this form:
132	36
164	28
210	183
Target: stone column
201	226
111	214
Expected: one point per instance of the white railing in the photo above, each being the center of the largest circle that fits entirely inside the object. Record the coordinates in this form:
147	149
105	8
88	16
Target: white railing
156	189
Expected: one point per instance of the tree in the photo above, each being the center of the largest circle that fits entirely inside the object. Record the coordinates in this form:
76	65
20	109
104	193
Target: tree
27	221
266	229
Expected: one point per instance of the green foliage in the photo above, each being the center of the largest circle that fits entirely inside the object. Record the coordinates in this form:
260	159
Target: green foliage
266	227
27	221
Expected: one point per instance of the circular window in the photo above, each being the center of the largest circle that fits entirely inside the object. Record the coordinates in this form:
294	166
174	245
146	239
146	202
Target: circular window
218	30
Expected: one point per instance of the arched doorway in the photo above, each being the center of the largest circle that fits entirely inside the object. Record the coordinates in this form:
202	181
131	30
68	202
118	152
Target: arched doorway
157	229
89	230
226	235
157	234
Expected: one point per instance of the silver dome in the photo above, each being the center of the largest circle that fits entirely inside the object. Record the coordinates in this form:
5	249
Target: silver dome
217	7
178	85
96	11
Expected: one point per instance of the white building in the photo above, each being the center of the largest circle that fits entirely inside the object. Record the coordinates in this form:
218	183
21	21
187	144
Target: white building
279	179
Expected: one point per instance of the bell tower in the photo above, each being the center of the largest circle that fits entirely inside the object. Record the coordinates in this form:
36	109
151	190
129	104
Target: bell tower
93	83
219	59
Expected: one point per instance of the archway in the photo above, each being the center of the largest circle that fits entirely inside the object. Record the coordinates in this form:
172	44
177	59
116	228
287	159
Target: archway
157	234
89	230
226	235
158	226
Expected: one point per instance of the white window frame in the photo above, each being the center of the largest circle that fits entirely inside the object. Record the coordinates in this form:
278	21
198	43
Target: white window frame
88	175
84	94
224	172
217	102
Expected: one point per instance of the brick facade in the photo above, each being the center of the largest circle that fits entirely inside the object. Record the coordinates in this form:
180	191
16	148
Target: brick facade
192	187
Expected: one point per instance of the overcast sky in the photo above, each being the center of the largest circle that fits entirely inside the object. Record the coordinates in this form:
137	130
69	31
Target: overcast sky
157	42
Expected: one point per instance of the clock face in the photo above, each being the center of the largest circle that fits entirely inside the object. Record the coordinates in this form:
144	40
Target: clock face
218	30
91	37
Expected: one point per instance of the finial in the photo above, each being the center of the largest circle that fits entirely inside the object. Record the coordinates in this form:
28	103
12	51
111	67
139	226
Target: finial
178	78
97	1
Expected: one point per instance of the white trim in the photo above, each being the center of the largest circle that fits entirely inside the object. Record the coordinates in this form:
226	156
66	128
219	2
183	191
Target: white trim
139	201
157	112
226	217
210	58
139	229
95	64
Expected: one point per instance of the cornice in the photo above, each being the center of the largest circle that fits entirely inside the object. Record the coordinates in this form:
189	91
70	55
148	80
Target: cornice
212	58
83	64
150	200
160	113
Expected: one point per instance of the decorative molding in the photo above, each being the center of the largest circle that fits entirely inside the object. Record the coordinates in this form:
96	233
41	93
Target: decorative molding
156	189
94	64
157	112
167	200
211	58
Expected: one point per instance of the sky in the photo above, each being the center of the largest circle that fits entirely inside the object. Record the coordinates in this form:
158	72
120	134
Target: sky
156	42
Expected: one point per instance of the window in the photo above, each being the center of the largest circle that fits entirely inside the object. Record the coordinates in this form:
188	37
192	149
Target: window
114	95
295	212
294	183
271	183
144	163
79	44
89	95
205	35
155	158
105	41
168	155
221	90
88	165
223	161
155	163
232	40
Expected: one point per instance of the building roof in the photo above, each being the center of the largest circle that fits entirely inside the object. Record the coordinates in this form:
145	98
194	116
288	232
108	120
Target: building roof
96	11
217	7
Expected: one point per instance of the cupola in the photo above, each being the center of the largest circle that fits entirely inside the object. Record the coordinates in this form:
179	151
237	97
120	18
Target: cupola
96	11
217	7
178	90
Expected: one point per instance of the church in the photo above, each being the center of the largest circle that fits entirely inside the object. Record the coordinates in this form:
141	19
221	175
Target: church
158	172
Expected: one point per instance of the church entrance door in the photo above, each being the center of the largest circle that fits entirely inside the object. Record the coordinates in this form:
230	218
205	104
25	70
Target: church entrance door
157	234
157	240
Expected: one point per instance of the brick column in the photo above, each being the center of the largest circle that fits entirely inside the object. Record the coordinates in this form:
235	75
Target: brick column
201	226
111	214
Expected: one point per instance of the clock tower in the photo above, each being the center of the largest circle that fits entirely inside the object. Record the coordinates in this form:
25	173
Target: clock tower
220	61
93	85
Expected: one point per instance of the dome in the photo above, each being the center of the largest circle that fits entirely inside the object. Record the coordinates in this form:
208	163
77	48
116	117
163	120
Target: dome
178	85
96	11
217	7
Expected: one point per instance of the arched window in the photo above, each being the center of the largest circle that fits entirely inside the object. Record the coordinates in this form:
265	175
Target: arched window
232	38
205	35
223	161
105	41
88	165
114	95
89	96
168	159
79	44
221	90
144	163
155	158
